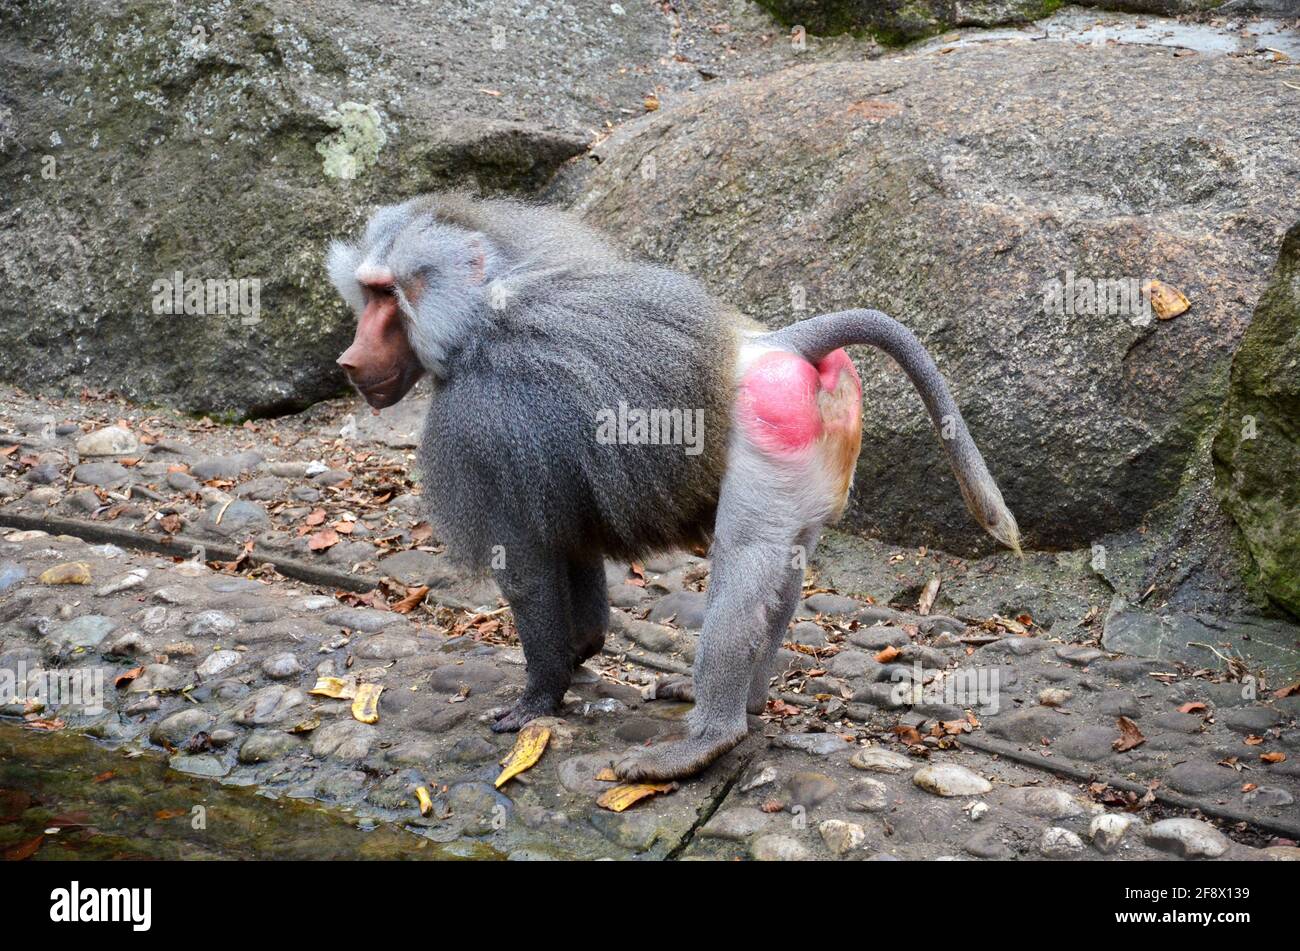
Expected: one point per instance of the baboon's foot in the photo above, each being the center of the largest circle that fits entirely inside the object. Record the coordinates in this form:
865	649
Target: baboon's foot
526	708
676	759
677	687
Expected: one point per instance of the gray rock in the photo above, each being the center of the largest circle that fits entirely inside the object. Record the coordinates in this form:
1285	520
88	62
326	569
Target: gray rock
841	837
1254	719
106	475
1058	843
777	847
347	741
833	604
265	745
737	824
109	441
949	779
876	759
1200	776
365	620
281	666
225	467
210	624
1109	829
87	631
269	705
217	663
1190	838
236	519
386	646
1030	725
175	729
818	744
684	608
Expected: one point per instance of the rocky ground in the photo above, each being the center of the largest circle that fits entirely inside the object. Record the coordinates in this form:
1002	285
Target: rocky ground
213	575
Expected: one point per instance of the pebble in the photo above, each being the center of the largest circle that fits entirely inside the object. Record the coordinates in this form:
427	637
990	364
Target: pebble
237	518
132	579
105	475
776	847
1046	803
264	745
684	608
365	620
269	705
1190	838
1248	720
1108	830
1268	797
176	728
218	662
877	759
949	779
212	624
842	837
737	824
1200	776
281	666
89	630
868	795
109	441
818	744
1058	843
11	574
809	789
825	603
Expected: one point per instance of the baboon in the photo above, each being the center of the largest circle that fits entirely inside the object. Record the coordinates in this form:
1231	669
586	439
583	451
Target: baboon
531	326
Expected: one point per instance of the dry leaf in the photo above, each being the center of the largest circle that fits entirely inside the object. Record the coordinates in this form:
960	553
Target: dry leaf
127	677
1132	736
887	654
1168	302
1273	757
326	538
621	797
413	599
607	775
528	749
928	594
1192	708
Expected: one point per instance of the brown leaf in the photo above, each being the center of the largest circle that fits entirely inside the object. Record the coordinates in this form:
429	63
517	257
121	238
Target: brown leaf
104	777
887	654
317	517
127	677
165	814
1192	708
1273	757
1168	302
413	599
24	850
1131	737
928	594
1253	740
326	538
1288	691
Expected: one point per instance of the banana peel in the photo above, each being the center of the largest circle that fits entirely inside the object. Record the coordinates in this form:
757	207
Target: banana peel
365	706
527	750
337	688
629	794
426	804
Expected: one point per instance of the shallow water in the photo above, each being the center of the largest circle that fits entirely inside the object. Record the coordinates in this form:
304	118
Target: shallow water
65	797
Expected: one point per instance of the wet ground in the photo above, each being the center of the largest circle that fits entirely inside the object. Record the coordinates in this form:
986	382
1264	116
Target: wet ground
175	593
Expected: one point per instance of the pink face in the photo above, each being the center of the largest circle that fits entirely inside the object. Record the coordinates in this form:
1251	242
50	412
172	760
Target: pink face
381	363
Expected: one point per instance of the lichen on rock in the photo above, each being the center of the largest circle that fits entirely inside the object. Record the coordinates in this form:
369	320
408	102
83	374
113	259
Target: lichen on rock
355	144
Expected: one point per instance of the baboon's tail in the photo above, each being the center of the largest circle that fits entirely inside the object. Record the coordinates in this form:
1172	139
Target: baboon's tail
816	337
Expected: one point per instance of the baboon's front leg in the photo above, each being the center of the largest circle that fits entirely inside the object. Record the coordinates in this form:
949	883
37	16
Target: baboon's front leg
536	583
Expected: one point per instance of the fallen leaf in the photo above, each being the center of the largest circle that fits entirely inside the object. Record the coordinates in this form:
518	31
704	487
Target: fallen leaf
885	655
1193	708
1131	737
1273	757
326	538
1253	740
607	775
422	796
621	797
1288	691
127	677
529	746
365	706
1168	302
45	724
413	599
166	814
317	517
928	594
104	777
24	850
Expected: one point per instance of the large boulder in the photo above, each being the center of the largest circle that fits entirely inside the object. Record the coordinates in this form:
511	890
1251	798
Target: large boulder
1257	450
977	195
896	22
228	142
